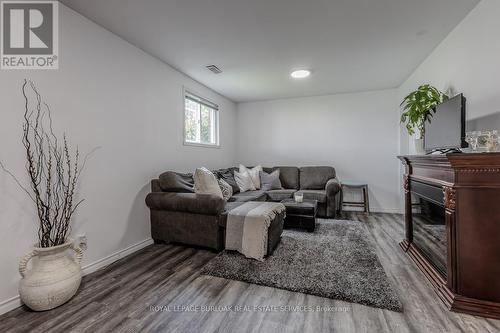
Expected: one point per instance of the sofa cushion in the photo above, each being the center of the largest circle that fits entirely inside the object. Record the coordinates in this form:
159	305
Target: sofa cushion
278	195
289	176
228	176
249	196
315	177
176	182
319	195
155	185
270	181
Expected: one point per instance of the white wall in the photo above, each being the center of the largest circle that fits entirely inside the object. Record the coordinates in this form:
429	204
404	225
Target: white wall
355	133
106	93
468	62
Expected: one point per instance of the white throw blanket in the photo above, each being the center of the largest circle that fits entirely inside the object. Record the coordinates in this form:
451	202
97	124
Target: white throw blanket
247	227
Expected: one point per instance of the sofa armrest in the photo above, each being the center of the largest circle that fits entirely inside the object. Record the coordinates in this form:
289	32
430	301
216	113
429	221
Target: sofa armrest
332	187
186	202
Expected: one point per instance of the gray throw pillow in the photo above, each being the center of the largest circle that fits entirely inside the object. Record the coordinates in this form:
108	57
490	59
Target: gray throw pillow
270	181
228	176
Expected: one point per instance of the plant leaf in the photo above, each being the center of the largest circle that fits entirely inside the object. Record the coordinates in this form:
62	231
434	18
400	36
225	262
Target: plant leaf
418	107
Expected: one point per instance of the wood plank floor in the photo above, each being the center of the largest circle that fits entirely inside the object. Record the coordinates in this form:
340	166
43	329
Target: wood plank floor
127	296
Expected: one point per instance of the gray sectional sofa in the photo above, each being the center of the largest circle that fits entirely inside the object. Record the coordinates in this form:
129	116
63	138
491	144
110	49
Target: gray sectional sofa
179	215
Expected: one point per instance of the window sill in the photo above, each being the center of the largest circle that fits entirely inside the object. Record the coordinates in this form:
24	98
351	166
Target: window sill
202	145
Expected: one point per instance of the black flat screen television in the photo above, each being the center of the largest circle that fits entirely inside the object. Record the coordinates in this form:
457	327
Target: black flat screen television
446	130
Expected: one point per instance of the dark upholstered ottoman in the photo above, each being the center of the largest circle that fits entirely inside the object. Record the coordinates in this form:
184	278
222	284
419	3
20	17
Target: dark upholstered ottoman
300	214
273	234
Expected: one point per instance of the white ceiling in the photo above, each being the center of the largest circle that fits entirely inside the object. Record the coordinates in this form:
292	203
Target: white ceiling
350	45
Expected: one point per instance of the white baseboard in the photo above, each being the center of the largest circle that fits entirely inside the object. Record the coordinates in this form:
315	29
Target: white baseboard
10	304
92	267
15	302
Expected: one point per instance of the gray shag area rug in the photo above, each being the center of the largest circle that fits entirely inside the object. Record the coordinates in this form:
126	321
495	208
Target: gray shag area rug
336	261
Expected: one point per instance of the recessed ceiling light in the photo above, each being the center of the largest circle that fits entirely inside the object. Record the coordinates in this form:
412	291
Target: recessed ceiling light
300	74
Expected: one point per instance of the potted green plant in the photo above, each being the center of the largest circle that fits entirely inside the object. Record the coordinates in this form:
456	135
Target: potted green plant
418	108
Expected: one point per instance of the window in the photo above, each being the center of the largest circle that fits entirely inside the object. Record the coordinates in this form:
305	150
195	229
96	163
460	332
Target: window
201	121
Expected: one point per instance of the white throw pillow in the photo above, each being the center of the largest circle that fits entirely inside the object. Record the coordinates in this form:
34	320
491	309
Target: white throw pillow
254	174
244	181
206	183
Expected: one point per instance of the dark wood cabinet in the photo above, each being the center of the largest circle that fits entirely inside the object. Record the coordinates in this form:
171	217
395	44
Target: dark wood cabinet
466	188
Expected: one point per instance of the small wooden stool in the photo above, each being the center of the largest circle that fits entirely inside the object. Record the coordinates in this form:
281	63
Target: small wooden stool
353	185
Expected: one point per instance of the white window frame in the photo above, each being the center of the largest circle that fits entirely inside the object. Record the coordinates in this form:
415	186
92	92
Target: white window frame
208	103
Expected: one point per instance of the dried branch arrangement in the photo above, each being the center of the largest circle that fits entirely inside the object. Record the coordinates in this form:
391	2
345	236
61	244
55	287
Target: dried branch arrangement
53	171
